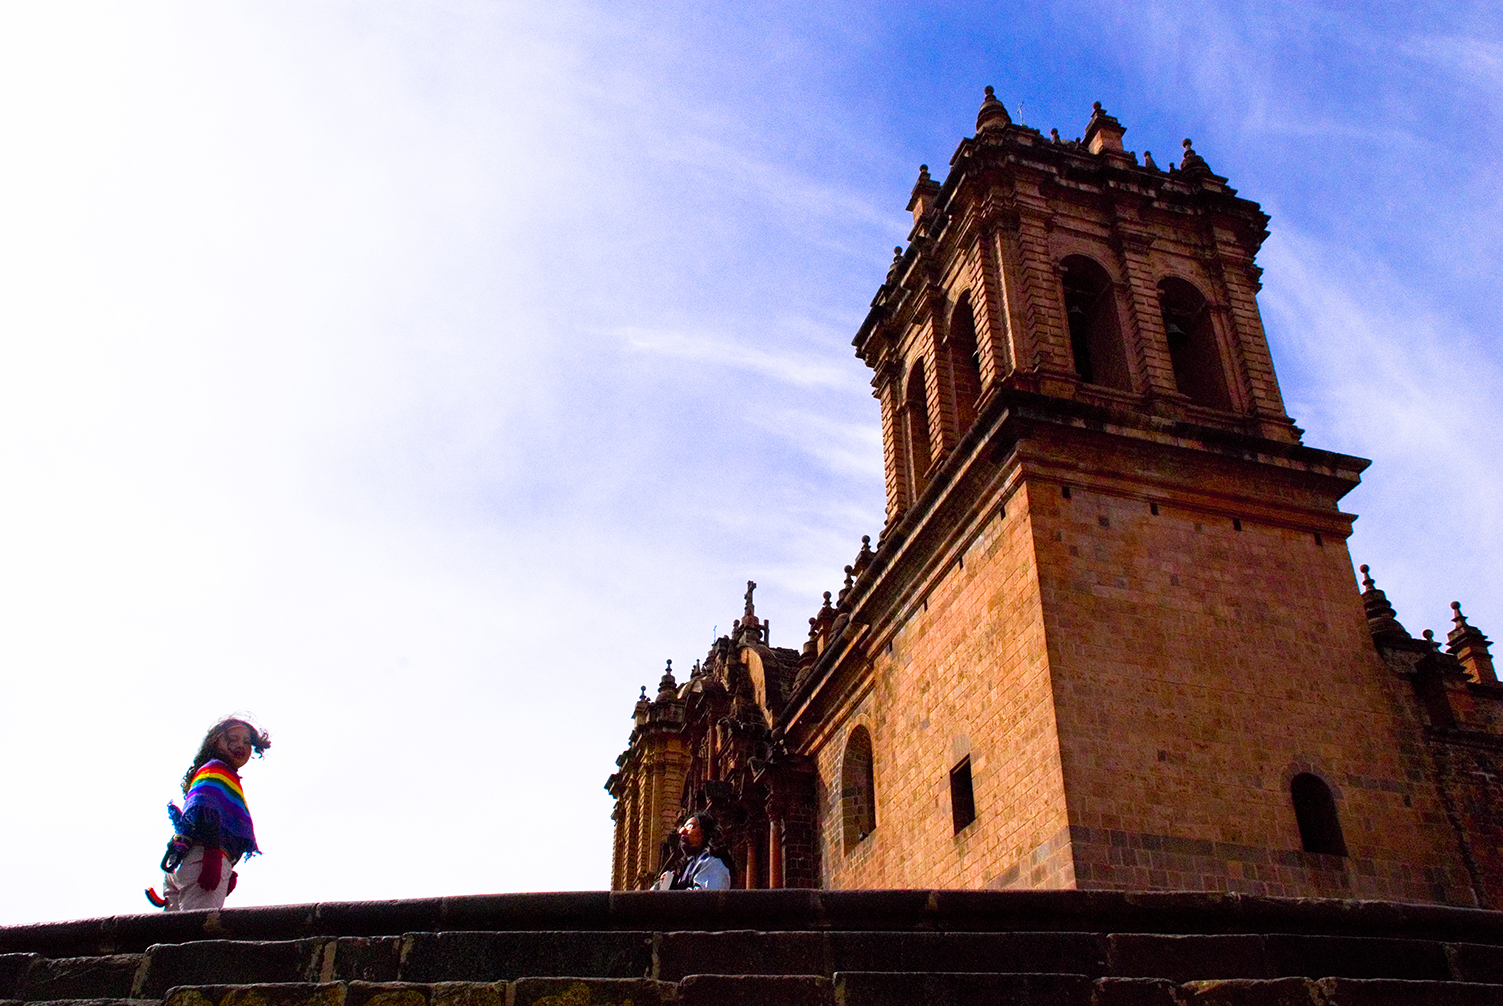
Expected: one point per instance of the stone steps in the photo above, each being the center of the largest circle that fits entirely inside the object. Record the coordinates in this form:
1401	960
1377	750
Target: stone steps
1183	949
858	988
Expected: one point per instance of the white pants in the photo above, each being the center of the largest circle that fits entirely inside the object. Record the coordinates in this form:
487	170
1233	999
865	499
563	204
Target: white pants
181	888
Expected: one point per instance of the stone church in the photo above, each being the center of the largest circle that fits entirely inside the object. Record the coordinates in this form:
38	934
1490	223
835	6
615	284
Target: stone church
1109	637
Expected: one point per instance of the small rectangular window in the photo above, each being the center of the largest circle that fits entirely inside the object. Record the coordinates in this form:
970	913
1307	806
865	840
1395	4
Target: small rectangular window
962	797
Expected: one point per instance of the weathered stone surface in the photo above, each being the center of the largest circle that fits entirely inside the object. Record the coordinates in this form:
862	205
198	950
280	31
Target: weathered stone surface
754	990
1135	992
1476	962
111	977
1391	992
740	953
13	970
469	993
387	994
592	992
1064	953
264	994
363	958
229	962
915	964
1186	958
961	989
1251	992
782	910
488	957
1074	953
1353	957
92	1002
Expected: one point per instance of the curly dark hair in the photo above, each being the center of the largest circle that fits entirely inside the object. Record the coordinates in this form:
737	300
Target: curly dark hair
208	750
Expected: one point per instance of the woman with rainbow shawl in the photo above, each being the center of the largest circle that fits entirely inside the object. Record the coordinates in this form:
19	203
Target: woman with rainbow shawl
214	825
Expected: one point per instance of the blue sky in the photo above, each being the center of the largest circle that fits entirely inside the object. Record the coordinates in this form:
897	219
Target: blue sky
419	377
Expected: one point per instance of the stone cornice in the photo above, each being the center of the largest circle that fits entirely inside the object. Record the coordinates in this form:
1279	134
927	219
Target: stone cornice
980	473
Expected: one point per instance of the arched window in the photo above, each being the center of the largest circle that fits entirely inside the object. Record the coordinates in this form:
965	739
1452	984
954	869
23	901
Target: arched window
916	418
965	363
1192	344
1315	810
1095	334
858	798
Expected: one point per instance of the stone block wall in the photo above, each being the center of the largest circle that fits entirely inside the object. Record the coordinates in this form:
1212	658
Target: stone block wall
1200	662
965	676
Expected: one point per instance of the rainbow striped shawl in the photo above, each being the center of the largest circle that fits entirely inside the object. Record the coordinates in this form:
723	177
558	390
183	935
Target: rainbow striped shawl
216	786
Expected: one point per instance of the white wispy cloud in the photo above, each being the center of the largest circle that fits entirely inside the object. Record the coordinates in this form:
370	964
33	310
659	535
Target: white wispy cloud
792	368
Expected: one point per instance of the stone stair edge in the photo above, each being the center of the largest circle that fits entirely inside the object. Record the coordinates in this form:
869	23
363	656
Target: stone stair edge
487	957
780	910
1064	988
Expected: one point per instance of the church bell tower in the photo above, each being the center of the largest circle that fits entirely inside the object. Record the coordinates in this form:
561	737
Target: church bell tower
1110	637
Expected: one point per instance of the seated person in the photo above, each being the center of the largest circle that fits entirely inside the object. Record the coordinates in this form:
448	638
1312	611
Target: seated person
700	868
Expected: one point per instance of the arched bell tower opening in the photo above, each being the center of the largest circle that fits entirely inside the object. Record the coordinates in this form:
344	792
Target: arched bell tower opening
965	363
1193	349
1096	342
916	422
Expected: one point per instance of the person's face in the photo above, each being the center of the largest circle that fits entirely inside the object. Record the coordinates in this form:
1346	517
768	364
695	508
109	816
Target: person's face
235	745
691	833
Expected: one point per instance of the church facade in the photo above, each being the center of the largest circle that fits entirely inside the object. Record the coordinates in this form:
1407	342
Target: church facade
1109	636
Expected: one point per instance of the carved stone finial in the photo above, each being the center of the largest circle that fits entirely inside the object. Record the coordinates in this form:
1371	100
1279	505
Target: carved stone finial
1382	620
1193	162
865	556
921	199
667	687
1054	136
845	590
751	611
827	600
1467	644
993	114
1148	161
897	252
1103	132
1429	635
1458	619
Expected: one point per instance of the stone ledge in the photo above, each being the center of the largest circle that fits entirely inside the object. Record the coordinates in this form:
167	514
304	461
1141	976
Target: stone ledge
786	910
846	989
